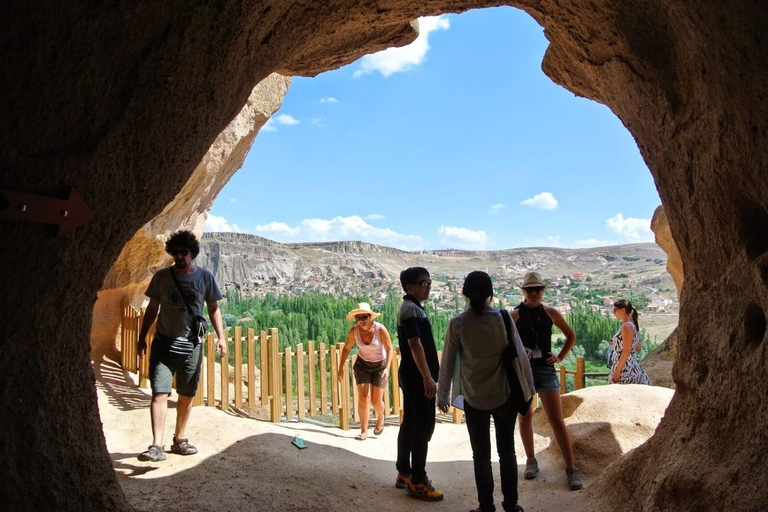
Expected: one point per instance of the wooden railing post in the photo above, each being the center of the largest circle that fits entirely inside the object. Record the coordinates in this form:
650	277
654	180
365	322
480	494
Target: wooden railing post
251	369
276	404
395	378
288	384
224	367
264	367
311	377
334	380
355	394
323	379
301	405
345	406
210	374
579	381
237	361
563	387
200	393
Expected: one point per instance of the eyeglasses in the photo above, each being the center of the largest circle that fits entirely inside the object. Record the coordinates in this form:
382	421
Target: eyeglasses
424	283
362	318
174	252
534	289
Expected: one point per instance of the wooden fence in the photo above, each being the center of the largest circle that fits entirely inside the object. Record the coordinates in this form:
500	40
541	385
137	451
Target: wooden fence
297	383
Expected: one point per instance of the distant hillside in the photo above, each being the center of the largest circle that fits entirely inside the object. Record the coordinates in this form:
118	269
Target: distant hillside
258	266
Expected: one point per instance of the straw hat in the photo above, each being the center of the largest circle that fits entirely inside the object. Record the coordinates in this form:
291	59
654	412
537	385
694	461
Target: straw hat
363	308
532	279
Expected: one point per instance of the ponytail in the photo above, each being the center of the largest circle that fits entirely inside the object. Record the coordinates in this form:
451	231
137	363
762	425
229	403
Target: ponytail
477	289
629	309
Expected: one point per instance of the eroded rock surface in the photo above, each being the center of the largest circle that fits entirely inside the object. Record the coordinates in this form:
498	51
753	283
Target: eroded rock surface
123	100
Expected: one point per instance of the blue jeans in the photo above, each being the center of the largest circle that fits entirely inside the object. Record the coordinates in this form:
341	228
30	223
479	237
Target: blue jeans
479	427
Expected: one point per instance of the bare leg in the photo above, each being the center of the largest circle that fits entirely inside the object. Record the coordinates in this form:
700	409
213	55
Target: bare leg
158	409
526	432
183	409
363	407
553	408
377	397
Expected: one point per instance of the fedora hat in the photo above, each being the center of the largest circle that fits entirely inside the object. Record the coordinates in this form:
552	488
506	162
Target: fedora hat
532	279
362	308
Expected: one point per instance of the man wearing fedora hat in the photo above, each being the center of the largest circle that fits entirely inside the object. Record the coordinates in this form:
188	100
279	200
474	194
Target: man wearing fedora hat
534	322
419	369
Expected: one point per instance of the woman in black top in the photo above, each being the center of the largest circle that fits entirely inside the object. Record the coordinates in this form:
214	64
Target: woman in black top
534	322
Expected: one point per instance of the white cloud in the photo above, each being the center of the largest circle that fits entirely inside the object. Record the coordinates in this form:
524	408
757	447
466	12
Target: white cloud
329	99
543	201
352	227
317	121
287	119
276	228
405	58
269	126
216	223
547	241
462	238
232	199
374	216
496	208
636	230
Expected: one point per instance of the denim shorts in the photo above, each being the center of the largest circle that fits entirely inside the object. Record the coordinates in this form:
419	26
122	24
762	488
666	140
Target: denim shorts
545	378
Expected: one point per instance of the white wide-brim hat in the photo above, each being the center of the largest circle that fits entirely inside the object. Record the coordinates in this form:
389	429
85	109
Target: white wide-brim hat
362	308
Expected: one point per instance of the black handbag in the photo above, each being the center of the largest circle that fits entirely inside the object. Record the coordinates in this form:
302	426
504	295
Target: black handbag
512	365
199	324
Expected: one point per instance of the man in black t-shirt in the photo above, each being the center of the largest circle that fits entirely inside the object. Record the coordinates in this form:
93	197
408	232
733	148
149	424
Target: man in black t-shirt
419	368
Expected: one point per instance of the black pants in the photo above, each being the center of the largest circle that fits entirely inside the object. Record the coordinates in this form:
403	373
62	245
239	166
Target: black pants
479	425
415	432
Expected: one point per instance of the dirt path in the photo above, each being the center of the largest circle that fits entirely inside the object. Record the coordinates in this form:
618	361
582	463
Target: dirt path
246	464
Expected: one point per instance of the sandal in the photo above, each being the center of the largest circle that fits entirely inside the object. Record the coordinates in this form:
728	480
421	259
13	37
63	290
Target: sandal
361	437
154	453
182	447
378	430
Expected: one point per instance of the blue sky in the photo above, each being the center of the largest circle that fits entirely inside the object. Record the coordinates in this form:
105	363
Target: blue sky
457	141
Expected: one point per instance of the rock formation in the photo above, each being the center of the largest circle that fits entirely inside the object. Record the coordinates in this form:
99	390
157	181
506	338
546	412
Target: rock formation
122	101
660	228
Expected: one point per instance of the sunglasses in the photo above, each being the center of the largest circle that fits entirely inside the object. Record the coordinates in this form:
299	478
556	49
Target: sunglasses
362	318
174	252
534	289
424	283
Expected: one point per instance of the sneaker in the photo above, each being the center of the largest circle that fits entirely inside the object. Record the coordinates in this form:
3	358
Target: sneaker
402	481
574	480
424	490
154	453
531	469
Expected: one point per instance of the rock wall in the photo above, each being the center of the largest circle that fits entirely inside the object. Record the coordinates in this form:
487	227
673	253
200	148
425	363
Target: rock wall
122	101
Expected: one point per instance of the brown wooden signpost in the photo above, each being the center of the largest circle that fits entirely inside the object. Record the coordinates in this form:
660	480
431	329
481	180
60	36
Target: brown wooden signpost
66	213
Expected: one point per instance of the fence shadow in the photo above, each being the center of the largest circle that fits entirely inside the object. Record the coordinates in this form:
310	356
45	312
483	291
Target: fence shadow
117	385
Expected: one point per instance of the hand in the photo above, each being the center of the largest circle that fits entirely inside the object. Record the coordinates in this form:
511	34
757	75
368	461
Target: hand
430	388
385	374
340	374
443	408
141	348
221	345
554	359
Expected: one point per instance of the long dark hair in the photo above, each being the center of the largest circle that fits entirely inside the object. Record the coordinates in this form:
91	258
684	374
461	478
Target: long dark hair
478	289
630	309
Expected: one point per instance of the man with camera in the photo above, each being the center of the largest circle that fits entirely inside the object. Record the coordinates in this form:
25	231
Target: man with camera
176	295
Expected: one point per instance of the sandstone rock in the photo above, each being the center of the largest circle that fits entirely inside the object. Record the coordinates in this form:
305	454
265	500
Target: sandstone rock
660	228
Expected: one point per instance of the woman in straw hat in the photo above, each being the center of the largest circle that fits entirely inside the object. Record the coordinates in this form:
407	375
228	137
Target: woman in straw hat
374	355
534	321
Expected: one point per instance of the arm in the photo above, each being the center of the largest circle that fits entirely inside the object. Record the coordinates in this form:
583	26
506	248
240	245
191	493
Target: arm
348	344
446	369
387	341
150	314
515	314
214	313
570	336
417	350
627	337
